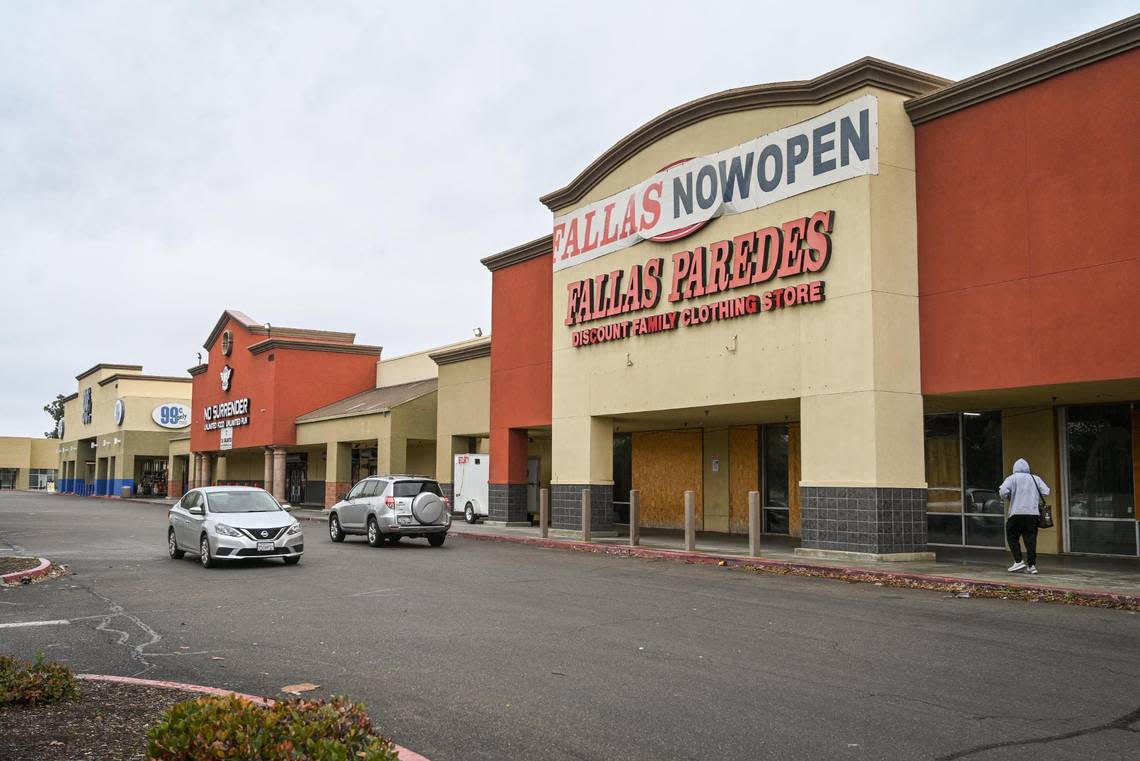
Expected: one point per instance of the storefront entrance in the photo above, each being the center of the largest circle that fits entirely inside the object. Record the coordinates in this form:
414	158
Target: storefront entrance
296	475
963	471
150	476
363	463
8	478
1099	472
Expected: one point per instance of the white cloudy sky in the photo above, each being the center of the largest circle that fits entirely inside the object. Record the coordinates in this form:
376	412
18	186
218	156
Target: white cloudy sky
345	165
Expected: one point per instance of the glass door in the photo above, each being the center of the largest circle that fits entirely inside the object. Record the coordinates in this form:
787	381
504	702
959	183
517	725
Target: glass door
963	471
1099	485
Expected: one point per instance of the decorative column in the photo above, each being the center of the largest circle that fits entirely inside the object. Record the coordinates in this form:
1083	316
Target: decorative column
507	489
583	459
267	482
279	474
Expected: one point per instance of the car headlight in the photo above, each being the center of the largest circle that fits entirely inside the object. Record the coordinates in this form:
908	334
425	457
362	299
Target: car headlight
224	530
295	528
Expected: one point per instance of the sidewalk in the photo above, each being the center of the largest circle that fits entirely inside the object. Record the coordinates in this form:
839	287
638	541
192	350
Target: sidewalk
1109	580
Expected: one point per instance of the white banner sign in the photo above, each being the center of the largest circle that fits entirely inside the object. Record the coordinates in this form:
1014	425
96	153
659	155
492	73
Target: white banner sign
227	439
838	145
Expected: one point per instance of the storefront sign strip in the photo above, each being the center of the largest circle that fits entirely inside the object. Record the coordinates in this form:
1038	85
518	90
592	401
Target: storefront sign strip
839	145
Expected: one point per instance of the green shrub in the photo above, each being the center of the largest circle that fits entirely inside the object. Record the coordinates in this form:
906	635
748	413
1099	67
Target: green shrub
35	682
231	728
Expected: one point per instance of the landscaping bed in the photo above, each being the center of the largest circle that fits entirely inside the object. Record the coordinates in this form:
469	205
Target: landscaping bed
107	721
9	564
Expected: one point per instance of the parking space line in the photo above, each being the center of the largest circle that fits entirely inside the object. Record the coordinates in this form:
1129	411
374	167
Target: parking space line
34	623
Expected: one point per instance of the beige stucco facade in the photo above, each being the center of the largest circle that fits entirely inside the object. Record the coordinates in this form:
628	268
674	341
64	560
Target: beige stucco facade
463	421
109	457
19	455
846	369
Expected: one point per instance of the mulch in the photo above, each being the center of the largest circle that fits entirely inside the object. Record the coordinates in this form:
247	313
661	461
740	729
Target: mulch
108	721
9	564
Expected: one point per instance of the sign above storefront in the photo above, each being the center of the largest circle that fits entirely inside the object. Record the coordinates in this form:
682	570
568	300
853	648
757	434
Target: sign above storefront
172	415
798	247
226	439
838	145
226	415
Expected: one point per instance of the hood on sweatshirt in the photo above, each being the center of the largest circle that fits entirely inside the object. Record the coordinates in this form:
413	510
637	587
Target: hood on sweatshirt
1021	466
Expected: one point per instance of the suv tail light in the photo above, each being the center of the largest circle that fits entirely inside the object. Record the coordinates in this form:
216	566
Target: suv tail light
389	501
447	501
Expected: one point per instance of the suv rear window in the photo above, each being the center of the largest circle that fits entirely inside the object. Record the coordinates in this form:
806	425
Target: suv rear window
414	488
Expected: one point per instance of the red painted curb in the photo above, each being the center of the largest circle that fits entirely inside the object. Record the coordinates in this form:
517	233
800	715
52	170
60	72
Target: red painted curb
15	577
845	572
404	753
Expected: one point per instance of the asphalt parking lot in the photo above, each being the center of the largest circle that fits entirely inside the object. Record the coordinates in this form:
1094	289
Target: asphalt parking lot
486	650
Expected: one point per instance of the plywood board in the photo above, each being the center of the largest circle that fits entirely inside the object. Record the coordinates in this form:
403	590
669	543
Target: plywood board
744	475
665	465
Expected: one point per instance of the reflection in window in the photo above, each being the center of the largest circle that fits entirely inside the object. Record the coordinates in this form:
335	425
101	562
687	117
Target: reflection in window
774	454
1101	498
965	449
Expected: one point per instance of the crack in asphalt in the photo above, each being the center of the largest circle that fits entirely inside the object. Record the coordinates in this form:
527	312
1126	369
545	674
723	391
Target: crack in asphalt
136	651
1124	722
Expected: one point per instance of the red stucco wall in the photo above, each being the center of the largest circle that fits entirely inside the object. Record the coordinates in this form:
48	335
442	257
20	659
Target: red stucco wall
1029	234
521	329
294	383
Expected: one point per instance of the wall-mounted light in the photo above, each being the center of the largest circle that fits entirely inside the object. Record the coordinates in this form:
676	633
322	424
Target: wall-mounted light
731	346
628	361
972	414
118	441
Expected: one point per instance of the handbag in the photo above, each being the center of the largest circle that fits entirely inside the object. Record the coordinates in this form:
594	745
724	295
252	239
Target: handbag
1045	517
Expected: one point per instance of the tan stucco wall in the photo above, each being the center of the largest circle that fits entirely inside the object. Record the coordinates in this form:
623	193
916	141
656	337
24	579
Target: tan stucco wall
853	360
406	369
413	422
463	408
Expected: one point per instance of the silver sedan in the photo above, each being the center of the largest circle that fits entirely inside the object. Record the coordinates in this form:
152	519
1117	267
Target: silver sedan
233	523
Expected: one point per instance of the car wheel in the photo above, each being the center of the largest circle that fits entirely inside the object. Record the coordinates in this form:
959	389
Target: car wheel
375	538
436	540
204	553
336	533
172	546
294	560
469	513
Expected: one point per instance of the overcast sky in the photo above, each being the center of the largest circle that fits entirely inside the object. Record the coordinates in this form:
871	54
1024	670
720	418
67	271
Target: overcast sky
345	165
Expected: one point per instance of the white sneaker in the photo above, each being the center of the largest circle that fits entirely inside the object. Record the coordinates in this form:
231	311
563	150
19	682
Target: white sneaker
1018	566
1031	570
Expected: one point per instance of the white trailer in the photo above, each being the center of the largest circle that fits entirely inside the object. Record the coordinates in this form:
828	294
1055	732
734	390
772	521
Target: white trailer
470	479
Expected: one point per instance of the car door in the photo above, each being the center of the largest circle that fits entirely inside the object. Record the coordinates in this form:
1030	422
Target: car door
181	519
195	518
352	512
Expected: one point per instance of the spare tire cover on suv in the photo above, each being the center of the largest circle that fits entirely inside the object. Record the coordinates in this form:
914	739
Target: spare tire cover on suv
428	508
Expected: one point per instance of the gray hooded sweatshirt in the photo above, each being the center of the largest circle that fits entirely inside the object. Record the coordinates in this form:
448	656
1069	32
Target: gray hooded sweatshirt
1019	489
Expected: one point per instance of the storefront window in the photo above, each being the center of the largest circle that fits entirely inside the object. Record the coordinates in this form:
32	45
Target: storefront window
1100	490
363	464
39	478
774	454
963	471
623	475
150	476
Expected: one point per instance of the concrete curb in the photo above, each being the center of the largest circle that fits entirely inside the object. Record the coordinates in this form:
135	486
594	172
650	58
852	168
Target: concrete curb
43	569
404	753
844	573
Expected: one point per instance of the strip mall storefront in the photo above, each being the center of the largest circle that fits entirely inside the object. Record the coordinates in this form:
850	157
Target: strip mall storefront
863	295
307	413
114	437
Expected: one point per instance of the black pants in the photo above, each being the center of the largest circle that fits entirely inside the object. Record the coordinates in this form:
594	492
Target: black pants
1022	527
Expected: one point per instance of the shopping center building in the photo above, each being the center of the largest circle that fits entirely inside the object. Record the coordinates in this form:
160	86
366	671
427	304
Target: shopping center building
114	437
863	295
307	413
27	463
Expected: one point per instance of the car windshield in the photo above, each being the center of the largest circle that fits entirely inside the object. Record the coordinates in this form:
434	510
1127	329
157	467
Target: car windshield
241	502
413	488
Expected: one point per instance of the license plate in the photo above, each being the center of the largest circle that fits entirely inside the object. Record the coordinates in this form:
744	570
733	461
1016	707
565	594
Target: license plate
265	546
404	520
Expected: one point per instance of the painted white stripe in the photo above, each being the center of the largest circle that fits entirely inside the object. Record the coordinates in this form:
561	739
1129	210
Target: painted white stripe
34	623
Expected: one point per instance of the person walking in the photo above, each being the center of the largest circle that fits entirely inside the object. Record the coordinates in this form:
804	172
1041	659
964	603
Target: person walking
1024	492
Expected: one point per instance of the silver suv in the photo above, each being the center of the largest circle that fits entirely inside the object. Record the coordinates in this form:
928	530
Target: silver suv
392	507
233	523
